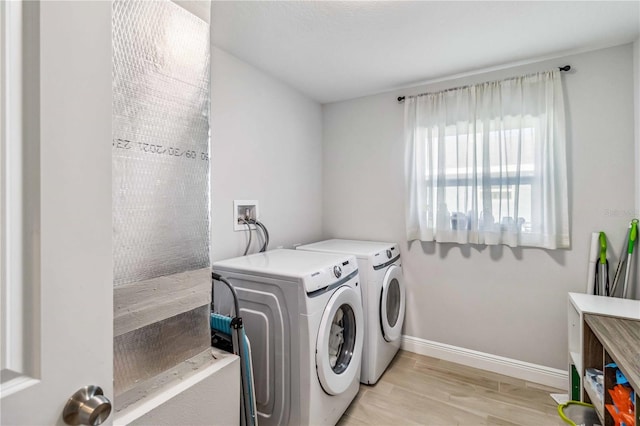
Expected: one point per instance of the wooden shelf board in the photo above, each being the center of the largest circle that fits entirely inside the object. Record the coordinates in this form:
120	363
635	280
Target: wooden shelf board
621	339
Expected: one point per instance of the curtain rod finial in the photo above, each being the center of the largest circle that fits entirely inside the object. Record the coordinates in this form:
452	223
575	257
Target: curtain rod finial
565	68
400	98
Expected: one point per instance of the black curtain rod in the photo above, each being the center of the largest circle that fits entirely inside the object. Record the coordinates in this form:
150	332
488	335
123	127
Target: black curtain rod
564	68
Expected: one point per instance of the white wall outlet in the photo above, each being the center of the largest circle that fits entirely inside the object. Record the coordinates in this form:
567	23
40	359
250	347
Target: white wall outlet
244	209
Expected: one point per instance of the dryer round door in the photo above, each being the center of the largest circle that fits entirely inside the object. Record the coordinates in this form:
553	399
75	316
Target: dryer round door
339	344
392	304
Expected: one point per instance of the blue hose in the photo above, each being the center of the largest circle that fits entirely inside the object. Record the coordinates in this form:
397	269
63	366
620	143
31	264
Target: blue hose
222	324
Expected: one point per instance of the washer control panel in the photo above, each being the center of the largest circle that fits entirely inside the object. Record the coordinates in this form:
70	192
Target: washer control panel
330	275
384	256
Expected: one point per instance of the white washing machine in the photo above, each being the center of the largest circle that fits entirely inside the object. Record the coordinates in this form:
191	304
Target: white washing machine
302	312
383	298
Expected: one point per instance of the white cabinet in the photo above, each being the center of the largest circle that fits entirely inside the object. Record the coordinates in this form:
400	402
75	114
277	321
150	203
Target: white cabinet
578	305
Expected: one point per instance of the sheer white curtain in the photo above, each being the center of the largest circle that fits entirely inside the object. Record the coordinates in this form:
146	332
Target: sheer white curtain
486	164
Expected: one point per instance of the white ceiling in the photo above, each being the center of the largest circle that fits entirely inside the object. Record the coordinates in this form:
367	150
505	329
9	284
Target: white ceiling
332	50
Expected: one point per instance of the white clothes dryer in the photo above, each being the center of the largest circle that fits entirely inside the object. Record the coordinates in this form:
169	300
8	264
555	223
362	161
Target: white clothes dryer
383	298
302	312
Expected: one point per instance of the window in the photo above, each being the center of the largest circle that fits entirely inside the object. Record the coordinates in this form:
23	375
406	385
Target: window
508	203
486	164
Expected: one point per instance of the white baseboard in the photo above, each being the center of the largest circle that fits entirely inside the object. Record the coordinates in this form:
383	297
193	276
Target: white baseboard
498	364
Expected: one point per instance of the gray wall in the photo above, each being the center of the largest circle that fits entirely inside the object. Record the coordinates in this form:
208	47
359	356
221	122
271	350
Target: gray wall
508	302
266	145
200	8
636	102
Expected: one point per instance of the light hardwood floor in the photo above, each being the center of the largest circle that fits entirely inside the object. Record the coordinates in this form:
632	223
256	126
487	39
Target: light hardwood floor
417	389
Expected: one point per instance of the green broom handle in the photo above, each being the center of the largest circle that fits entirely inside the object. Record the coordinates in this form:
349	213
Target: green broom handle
633	235
603	248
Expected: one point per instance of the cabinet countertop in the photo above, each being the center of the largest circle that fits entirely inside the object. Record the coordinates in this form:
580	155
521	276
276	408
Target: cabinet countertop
621	339
603	305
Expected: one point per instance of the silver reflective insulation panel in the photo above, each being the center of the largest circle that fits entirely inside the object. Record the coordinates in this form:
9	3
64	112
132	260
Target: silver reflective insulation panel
160	140
160	188
148	351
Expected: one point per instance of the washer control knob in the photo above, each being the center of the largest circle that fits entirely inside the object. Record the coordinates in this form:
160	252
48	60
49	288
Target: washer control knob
389	254
337	271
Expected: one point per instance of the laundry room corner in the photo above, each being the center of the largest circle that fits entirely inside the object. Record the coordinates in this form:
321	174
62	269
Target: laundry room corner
494	300
266	144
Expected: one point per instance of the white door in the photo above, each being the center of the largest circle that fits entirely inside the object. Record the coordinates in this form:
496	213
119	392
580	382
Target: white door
340	338
392	304
57	304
